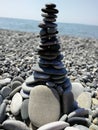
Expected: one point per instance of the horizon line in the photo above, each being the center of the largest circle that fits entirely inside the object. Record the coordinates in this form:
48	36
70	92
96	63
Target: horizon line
41	20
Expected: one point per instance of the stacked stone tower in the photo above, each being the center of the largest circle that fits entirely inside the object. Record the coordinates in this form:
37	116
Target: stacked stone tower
49	70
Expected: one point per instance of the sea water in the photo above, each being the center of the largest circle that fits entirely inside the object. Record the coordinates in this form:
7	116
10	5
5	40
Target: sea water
64	28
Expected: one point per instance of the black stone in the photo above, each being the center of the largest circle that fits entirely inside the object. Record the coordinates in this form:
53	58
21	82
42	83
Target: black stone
47	25
49	15
50	5
50	10
49	19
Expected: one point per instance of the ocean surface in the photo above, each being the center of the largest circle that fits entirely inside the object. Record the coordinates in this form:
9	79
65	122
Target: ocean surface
64	28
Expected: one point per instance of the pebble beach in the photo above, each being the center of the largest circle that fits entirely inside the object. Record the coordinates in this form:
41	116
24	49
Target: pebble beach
17	58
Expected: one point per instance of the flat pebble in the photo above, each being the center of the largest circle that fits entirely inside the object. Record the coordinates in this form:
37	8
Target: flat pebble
81	127
5	91
58	125
3	111
14	125
15	84
1	99
68	102
77	89
44	105
18	79
80	112
24	109
16	104
84	100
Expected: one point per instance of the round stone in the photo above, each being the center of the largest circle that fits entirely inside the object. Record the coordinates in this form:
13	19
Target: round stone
16	104
14	125
18	78
58	125
84	103
77	89
50	10
24	109
15	84
5	91
44	105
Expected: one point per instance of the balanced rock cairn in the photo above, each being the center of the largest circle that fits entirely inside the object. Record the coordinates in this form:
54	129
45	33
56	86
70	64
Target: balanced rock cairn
50	70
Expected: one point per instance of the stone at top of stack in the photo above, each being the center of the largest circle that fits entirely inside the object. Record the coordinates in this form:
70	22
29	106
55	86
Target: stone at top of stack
50	69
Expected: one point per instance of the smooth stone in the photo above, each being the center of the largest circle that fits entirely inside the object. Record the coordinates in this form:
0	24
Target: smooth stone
67	102
24	109
18	78
59	66
95	101
95	121
24	94
5	91
84	103
77	89
50	84
46	62
50	43
15	84
49	19
16	104
26	88
80	112
67	85
58	125
81	127
47	25
41	75
95	113
93	127
44	105
48	57
14	125
49	70
5	81
49	15
64	117
1	99
60	81
3	111
50	5
49	10
48	52
56	77
14	91
71	128
79	120
30	80
55	47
